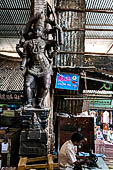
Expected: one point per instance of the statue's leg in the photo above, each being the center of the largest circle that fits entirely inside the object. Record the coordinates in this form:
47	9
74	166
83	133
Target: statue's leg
28	82
46	82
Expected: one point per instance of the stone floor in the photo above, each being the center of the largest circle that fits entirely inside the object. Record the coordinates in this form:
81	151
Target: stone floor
109	162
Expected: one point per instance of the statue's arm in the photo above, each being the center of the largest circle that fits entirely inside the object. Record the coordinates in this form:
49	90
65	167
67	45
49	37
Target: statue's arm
51	47
18	46
24	59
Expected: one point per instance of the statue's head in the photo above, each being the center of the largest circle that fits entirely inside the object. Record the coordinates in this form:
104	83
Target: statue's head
35	26
38	25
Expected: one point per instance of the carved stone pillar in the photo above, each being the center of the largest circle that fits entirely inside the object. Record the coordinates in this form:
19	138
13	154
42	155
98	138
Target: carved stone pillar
38	6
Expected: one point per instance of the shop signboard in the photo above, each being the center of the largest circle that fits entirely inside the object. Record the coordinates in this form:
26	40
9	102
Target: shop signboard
107	103
99	103
67	81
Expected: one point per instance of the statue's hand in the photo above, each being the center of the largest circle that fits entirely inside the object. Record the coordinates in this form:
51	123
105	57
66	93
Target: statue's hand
22	67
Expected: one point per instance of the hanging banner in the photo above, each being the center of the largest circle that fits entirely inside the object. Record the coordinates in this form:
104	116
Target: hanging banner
67	81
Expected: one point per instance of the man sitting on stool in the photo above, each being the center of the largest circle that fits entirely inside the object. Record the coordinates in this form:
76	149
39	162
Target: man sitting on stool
68	158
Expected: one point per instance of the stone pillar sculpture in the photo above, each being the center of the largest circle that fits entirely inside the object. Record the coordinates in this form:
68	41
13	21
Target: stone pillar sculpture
38	52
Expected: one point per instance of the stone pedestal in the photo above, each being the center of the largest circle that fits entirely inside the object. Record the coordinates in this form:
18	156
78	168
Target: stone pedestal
33	137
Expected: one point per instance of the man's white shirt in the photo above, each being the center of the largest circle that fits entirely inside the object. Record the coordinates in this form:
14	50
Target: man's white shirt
67	155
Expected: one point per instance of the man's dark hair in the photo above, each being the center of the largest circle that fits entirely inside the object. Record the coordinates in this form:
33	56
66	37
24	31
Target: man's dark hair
77	137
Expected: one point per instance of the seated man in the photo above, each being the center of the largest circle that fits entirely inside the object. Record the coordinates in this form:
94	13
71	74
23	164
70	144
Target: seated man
68	153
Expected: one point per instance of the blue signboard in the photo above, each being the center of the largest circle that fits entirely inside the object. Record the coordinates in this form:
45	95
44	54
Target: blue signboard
67	81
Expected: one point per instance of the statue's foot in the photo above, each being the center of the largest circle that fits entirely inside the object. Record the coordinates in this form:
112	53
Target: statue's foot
28	106
40	106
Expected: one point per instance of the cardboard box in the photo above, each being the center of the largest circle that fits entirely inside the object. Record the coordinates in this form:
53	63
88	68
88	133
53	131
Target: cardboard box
9	113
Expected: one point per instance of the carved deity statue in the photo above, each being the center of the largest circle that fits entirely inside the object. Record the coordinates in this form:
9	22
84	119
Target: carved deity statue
37	64
37	56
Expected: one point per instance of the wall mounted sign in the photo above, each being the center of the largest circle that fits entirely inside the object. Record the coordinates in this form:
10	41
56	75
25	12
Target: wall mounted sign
10	95
67	81
107	103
